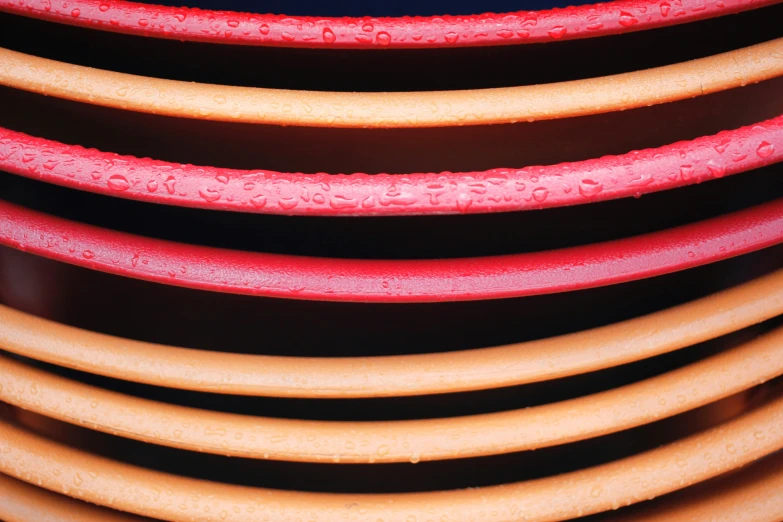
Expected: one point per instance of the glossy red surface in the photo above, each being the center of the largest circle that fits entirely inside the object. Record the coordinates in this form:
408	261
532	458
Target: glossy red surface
445	31
332	279
496	190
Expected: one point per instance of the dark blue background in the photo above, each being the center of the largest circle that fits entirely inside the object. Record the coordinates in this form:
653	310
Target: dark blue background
373	7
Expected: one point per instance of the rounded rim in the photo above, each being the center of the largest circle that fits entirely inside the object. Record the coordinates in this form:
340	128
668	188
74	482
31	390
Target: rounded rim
400	375
22	502
687	461
496	190
361	280
393	109
749	495
520	27
625	407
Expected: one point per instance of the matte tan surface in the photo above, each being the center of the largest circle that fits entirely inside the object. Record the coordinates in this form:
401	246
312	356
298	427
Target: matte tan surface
522	363
401	109
646	401
21	502
592	490
753	494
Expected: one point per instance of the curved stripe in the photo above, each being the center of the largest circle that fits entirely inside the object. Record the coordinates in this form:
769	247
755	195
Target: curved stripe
643	402
399	109
400	375
21	502
749	495
228	27
331	279
496	190
592	490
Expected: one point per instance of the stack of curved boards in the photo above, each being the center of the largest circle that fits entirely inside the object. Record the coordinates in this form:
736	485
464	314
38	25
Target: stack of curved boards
271	268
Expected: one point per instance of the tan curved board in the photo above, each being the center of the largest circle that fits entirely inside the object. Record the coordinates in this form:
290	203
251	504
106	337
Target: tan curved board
241	374
398	109
643	402
592	490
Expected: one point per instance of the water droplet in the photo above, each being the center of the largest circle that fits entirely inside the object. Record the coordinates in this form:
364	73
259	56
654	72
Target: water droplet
363	38
596	491
219	99
540	194
75	13
233	23
180	17
169	184
665	8
338	201
686	172
258	201
103	8
415	458
558	32
144	22
765	149
383	38
264	29
77	479
288	37
627	19
88	254
329	36
717	170
209	194
463	202
287	203
368	28
721	147
384	449
588	187
152	186
451	37
730	448
118	182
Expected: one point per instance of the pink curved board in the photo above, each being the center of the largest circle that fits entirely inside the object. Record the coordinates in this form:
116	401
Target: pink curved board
330	279
496	190
407	32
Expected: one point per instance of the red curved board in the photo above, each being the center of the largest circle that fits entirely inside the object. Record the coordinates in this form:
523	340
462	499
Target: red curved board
497	190
329	279
228	27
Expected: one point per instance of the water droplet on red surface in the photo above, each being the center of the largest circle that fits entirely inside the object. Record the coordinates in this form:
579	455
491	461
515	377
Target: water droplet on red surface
558	32
118	182
540	194
588	187
765	150
627	19
383	38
